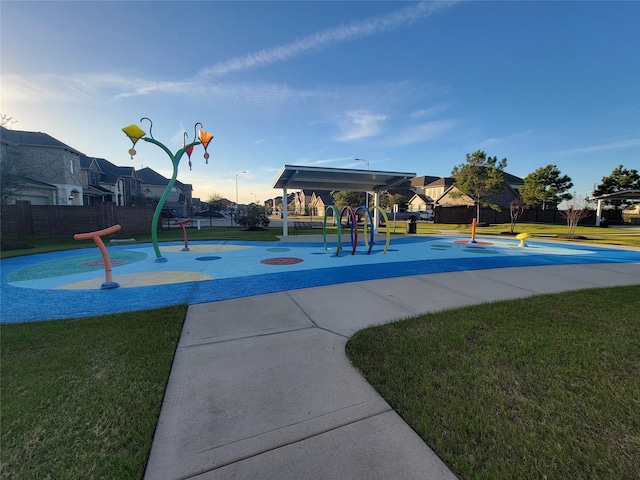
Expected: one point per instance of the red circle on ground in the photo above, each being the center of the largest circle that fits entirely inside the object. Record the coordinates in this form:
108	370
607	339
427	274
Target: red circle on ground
281	261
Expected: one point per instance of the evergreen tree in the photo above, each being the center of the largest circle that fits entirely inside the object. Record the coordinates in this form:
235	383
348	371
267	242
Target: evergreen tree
620	179
479	178
545	185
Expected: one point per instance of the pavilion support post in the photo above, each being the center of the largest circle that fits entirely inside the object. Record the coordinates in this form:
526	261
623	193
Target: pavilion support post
376	212
285	225
598	213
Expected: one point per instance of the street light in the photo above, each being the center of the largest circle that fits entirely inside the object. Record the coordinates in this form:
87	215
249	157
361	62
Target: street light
255	197
238	173
366	193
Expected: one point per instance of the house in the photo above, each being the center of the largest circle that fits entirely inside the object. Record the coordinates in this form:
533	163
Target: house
502	199
420	202
299	203
320	200
153	185
105	182
122	182
93	192
436	188
39	169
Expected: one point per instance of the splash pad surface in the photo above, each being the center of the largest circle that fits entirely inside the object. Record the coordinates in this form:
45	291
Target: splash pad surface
67	284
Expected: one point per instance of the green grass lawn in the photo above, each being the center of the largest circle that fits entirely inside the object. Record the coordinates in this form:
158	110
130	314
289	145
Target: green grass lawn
81	397
542	387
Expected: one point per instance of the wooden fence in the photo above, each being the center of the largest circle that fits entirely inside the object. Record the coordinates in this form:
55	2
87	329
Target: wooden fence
25	220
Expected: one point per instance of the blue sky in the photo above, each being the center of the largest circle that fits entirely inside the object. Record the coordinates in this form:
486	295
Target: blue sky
407	86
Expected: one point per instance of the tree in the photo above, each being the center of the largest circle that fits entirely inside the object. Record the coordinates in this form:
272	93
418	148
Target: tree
479	178
254	217
348	197
216	201
9	180
140	199
516	209
620	179
545	185
575	210
400	200
7	121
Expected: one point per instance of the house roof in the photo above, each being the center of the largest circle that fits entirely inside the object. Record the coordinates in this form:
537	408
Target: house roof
32	139
149	176
309	178
113	172
95	190
86	162
326	196
512	179
441	182
507	191
425	198
35	183
423	180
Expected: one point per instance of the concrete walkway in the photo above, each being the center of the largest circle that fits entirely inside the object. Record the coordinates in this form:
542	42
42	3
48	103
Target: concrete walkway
261	387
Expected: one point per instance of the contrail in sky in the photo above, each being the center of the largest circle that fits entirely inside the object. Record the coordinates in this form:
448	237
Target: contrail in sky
324	39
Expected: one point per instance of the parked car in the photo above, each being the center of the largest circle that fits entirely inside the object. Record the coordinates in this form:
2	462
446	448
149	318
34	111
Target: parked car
169	213
426	215
209	212
403	215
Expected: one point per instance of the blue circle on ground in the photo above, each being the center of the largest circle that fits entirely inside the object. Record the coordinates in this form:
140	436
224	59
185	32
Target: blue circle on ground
479	250
207	259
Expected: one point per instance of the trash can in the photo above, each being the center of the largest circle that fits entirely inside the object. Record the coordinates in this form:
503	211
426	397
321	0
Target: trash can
411	226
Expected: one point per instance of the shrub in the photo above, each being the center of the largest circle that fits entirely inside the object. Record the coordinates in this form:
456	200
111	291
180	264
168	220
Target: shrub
254	216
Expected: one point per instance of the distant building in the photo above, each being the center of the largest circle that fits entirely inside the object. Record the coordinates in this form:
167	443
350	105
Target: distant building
105	182
153	185
39	169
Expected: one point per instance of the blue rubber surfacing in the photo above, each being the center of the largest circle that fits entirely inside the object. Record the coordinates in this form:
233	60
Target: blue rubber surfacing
28	296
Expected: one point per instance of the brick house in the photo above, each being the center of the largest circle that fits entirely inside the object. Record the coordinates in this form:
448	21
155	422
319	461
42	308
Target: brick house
39	169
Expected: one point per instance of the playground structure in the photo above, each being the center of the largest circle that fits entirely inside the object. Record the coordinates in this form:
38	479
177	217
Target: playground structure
523	238
135	133
368	239
96	237
184	233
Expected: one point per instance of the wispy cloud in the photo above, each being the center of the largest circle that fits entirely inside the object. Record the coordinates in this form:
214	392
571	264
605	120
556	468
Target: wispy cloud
493	141
421	133
360	124
324	39
311	43
321	161
276	138
87	86
429	112
605	147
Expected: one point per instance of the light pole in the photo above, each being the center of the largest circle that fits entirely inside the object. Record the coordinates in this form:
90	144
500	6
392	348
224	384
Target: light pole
255	197
238	173
366	193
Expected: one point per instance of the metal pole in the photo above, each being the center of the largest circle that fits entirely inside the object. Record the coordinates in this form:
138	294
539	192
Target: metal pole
238	173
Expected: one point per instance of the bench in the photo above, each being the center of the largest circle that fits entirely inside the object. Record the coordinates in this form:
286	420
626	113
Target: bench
304	226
